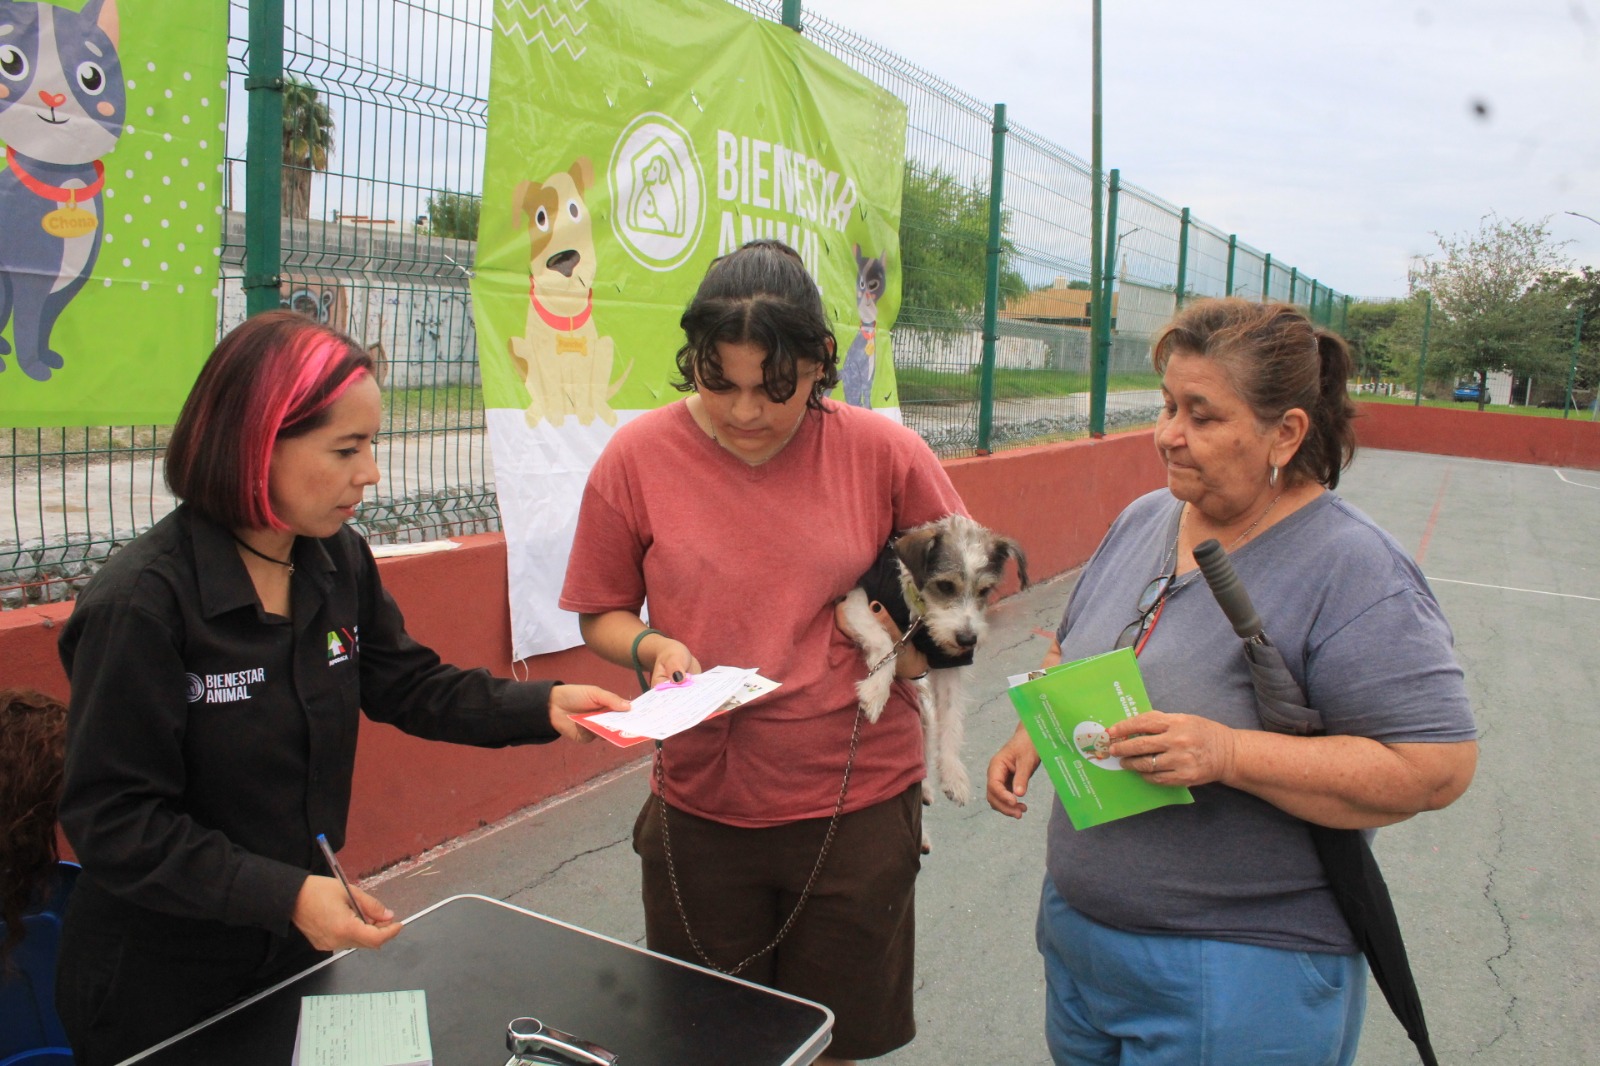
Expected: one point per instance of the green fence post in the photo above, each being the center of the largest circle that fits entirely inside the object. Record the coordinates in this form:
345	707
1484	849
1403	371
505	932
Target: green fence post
991	294
1100	320
1572	372
791	14
1294	281
1311	305
1422	357
1344	317
1183	255
1233	250
263	164
1266	277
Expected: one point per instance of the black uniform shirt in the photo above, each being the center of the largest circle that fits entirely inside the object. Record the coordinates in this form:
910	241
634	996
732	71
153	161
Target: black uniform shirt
209	742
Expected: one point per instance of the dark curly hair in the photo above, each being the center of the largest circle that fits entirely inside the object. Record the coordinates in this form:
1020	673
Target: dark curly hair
33	742
761	295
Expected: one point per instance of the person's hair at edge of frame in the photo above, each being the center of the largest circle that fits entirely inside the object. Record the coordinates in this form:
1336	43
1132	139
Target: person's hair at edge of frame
33	743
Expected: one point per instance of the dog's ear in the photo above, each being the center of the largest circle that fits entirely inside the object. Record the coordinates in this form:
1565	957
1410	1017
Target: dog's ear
521	204
916	550
1004	548
582	173
859	260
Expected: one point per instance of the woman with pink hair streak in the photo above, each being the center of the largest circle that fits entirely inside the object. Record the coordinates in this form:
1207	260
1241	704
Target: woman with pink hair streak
219	666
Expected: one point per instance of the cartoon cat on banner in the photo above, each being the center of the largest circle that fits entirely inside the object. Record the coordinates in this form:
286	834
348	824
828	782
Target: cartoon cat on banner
62	105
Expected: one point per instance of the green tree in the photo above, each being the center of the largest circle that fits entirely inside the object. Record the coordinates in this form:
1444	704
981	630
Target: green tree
944	237
1572	291
454	214
1367	332
1393	340
307	144
1488	314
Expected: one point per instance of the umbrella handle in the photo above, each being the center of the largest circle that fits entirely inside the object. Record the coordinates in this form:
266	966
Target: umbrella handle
1231	595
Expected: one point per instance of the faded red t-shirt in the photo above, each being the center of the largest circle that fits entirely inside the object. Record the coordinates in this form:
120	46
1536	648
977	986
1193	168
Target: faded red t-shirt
744	564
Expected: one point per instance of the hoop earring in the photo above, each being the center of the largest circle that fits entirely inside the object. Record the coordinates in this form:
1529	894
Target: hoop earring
1272	478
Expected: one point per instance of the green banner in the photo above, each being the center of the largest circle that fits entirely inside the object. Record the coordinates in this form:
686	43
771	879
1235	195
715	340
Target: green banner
113	116
649	138
628	146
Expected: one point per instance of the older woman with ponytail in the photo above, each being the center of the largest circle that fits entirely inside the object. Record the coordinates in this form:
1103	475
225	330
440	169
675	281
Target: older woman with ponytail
1207	932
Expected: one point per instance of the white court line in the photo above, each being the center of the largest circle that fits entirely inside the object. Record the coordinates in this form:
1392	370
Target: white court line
1513	588
1569	481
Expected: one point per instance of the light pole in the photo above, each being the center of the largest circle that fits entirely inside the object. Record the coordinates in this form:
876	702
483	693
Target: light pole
1109	272
1116	253
1099	314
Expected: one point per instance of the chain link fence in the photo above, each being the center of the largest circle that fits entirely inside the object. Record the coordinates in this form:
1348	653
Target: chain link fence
375	230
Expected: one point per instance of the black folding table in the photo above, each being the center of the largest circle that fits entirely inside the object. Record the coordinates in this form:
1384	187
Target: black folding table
483	963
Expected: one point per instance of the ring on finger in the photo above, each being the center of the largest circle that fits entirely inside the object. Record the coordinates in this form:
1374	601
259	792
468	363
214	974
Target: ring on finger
1153	756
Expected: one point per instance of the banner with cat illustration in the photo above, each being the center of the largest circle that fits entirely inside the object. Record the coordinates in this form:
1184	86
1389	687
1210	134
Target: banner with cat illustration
629	144
112	114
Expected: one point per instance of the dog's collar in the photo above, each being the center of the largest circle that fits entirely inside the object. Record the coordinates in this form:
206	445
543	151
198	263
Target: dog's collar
59	193
564	323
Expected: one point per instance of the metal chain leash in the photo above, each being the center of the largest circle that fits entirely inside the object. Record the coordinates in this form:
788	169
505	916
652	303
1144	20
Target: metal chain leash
805	893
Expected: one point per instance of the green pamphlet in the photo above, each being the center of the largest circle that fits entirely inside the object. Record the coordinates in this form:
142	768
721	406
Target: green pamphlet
1066	710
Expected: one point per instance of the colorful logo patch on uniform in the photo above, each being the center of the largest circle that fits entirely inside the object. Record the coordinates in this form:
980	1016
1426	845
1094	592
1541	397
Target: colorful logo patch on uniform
340	644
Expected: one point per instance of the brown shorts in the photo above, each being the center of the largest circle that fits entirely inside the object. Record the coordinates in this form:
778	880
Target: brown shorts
853	947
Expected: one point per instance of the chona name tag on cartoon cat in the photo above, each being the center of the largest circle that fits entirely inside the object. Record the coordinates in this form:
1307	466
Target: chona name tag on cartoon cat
69	221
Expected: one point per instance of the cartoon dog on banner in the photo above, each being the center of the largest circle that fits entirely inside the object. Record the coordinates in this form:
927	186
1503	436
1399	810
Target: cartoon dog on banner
562	358
62	106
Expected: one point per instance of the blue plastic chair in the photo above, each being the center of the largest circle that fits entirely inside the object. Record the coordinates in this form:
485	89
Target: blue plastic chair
30	1032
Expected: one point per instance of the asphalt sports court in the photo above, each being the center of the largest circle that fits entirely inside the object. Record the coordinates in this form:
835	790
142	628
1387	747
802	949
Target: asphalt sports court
1497	894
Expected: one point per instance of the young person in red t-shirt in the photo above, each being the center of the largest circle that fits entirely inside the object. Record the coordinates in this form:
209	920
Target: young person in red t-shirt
744	514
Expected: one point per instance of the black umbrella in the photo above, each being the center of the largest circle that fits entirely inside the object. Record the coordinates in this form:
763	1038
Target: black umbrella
1353	875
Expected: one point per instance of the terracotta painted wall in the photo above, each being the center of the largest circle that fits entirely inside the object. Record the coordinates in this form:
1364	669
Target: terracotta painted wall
1057	500
1474	434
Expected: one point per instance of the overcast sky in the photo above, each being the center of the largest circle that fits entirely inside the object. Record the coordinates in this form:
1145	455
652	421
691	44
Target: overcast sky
1338	136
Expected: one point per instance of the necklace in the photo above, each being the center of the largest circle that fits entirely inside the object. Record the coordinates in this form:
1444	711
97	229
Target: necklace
263	555
1172	556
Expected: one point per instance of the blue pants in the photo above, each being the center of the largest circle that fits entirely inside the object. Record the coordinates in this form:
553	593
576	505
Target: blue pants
1127	999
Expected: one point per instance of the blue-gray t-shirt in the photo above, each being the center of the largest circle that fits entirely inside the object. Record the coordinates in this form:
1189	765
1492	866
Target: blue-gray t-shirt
1361	632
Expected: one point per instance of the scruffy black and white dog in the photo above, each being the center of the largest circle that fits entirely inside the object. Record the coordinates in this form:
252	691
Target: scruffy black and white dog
935	581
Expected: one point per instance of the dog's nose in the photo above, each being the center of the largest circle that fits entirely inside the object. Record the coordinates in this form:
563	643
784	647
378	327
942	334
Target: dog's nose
967	639
564	262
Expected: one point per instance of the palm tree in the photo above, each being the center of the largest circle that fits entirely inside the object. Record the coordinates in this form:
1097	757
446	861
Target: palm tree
307	144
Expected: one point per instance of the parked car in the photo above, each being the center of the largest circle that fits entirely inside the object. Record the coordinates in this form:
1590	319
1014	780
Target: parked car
1469	390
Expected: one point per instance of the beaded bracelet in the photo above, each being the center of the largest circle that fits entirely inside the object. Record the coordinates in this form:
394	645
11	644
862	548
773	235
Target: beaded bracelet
633	653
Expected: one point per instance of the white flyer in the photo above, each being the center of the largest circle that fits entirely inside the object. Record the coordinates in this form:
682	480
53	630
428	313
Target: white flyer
673	707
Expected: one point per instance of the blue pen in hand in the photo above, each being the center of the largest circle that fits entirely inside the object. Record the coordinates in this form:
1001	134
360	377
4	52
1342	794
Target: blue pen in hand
338	871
